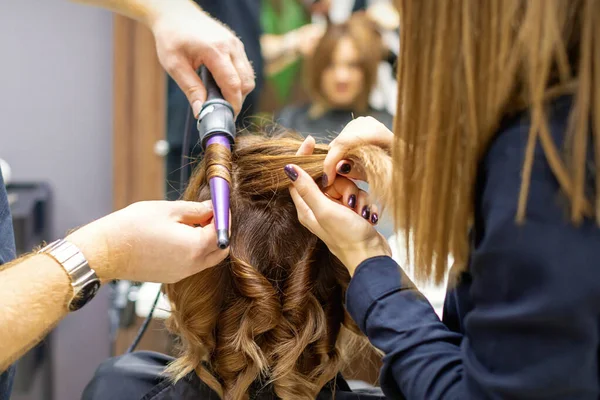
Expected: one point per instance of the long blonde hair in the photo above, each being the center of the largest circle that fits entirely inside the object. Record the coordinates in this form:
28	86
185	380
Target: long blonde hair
464	66
272	313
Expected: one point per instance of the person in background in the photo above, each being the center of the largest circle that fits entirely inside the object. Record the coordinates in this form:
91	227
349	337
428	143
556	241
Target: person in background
340	74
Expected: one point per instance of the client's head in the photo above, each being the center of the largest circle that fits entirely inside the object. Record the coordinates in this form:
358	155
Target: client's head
343	67
272	313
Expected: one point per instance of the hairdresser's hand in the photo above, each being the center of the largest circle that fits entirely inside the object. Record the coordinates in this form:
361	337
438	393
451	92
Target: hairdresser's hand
186	38
348	235
362	130
151	241
344	191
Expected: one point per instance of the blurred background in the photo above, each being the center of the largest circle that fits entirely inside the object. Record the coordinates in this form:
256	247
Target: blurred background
90	123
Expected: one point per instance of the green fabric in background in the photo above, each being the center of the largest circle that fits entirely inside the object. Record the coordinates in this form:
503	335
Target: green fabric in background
291	15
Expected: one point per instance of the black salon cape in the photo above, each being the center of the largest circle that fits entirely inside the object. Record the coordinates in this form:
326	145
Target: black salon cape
139	376
524	321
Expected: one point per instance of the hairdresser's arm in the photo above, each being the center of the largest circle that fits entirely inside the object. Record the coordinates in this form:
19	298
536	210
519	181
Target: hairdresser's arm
533	332
150	241
186	38
279	51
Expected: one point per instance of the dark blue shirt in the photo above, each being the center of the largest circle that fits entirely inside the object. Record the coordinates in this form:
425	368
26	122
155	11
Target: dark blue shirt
523	322
7	253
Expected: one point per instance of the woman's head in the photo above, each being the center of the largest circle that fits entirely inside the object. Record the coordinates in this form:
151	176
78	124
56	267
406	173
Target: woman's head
464	66
272	312
343	67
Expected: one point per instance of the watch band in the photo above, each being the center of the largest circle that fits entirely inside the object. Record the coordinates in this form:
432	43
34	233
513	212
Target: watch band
84	280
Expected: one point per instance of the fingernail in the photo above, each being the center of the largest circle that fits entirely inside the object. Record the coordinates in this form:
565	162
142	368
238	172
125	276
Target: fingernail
290	172
374	218
196	107
345	168
324	180
366	212
352	201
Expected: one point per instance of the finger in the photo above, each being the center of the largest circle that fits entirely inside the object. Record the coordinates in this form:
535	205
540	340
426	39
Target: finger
363	206
190	83
227	78
345	191
216	257
308	190
334	155
374	218
307	147
192	212
244	69
348	169
212	253
305	214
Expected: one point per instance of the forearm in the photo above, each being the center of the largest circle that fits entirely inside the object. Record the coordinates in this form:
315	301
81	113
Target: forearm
274	47
145	11
34	291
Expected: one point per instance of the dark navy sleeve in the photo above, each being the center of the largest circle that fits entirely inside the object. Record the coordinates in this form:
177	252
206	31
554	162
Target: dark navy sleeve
533	332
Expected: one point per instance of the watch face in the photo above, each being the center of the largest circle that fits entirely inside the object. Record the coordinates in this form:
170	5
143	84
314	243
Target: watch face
85	294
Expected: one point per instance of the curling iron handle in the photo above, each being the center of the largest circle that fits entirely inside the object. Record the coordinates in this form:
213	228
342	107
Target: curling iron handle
212	89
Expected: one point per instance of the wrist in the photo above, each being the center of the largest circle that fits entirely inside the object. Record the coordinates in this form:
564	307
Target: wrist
161	10
352	258
93	244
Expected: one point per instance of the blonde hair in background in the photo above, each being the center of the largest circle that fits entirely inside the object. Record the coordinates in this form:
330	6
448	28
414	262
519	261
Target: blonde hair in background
463	66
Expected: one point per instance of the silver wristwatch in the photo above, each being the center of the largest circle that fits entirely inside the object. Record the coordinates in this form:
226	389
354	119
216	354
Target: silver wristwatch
84	280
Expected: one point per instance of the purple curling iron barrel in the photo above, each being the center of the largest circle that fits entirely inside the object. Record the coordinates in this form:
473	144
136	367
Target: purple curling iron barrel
216	127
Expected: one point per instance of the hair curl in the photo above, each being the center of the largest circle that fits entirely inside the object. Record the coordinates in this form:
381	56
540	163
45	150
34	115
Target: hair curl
272	312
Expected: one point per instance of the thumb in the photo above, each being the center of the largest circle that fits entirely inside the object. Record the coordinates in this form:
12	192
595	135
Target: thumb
191	212
190	83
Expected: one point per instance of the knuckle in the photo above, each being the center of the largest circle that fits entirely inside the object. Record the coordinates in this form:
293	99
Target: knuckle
234	82
172	63
223	46
235	43
249	84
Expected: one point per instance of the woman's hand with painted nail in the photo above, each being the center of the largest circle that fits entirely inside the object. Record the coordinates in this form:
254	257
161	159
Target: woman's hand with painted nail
362	130
346	230
344	191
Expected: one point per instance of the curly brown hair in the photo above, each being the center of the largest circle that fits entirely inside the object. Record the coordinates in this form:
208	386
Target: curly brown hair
272	313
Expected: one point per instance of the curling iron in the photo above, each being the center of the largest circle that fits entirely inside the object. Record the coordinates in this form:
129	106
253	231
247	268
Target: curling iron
216	127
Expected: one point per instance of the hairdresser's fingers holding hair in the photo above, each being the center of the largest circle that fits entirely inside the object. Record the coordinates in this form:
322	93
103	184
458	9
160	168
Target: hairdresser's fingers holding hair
345	191
186	38
193	213
360	131
151	241
307	147
348	236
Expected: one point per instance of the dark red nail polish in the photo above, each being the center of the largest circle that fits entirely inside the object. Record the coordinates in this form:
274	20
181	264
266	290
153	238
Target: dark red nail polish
324	180
345	168
290	172
374	218
352	201
366	212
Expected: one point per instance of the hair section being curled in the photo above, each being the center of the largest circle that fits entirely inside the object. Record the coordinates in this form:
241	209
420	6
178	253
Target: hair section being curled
270	316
